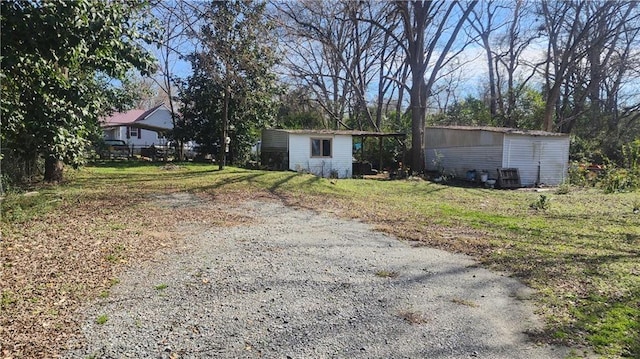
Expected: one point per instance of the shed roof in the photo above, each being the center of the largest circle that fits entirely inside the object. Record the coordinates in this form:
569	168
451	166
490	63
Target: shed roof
506	130
341	132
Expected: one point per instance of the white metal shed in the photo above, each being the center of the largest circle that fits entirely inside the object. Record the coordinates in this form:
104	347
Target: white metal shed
540	157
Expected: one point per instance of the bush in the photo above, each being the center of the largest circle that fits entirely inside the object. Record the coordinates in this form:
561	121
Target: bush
542	203
564	188
620	180
611	177
627	178
583	175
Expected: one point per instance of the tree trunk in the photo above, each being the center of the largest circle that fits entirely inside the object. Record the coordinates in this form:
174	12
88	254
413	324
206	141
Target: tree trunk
225	130
550	108
493	98
53	170
417	123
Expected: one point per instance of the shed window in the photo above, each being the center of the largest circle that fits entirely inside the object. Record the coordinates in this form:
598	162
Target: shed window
320	147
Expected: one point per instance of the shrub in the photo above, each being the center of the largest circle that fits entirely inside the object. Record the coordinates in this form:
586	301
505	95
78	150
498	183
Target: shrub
620	180
627	178
542	203
564	188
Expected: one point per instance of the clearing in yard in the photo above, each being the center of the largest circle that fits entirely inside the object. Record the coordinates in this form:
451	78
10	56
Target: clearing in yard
64	246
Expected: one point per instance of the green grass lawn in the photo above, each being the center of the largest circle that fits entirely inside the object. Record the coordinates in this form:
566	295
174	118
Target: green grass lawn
582	253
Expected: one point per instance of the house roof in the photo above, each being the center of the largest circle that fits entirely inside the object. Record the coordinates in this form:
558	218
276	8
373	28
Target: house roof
341	132
132	118
506	130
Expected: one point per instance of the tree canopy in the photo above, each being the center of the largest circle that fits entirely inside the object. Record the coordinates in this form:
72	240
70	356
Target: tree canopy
569	66
59	62
232	89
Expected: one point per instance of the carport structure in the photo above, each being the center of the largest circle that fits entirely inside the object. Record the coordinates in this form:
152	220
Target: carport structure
380	136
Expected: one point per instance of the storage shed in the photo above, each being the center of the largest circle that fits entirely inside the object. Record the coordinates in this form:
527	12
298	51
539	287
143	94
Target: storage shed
325	153
539	157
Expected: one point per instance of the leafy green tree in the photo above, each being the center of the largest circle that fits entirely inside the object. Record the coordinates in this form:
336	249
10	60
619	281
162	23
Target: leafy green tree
232	90
59	59
297	110
468	112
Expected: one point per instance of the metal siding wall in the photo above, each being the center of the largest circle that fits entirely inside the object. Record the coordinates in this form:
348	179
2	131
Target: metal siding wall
527	152
340	161
462	150
272	139
459	160
555	160
451	137
343	155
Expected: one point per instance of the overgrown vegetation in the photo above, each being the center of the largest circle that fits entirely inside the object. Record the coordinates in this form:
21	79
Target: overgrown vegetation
581	254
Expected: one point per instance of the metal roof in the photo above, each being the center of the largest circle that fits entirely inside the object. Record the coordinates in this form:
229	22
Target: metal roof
341	132
507	130
132	118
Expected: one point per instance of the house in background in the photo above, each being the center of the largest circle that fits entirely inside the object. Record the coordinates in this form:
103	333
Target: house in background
541	158
139	128
324	153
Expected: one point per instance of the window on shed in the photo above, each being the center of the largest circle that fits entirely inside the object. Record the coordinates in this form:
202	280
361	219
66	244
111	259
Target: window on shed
320	147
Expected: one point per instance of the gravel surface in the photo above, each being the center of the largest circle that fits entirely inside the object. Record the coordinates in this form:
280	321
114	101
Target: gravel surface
301	284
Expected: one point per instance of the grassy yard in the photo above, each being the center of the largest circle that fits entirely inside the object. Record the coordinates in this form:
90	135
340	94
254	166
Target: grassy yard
65	245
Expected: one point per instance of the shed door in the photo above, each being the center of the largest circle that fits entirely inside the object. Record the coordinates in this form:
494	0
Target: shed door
539	159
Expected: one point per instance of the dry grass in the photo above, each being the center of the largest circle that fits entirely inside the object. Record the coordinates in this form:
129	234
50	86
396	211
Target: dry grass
413	317
387	274
465	302
55	261
68	244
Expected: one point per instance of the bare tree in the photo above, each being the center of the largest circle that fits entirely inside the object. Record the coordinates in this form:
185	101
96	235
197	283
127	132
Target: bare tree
483	20
177	20
580	34
511	45
341	57
430	30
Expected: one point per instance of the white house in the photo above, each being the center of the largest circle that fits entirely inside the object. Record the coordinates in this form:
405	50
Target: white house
540	157
139	128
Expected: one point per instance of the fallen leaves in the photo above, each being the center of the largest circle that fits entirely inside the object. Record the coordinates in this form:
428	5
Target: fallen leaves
53	264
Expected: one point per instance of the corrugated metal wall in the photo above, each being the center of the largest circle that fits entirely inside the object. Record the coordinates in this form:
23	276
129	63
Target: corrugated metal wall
274	140
457	151
527	153
341	160
273	150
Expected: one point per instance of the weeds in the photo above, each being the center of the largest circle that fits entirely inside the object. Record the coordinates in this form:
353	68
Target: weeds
542	203
386	274
564	188
102	319
468	303
7	299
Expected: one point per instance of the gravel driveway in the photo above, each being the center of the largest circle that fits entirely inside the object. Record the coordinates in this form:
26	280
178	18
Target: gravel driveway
300	284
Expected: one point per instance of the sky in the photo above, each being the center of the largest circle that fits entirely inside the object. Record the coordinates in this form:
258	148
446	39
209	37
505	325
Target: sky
473	72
